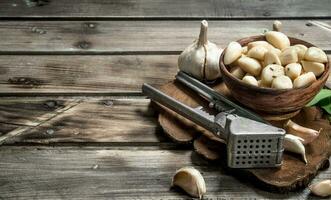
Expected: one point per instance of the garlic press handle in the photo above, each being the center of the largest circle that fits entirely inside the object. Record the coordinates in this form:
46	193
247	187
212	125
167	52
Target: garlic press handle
195	115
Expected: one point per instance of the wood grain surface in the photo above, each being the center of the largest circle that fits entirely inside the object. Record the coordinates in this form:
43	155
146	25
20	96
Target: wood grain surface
163	9
141	37
112	173
73	121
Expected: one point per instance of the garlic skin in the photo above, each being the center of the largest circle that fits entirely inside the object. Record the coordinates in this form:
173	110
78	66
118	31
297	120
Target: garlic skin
308	135
191	181
294	144
232	52
201	59
322	188
277	39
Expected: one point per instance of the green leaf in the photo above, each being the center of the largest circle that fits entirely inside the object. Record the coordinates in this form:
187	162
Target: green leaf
324	95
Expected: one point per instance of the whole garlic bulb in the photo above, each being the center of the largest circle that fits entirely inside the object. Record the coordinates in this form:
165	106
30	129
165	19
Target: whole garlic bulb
201	59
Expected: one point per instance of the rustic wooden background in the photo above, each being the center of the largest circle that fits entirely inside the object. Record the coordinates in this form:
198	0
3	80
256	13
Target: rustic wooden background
74	123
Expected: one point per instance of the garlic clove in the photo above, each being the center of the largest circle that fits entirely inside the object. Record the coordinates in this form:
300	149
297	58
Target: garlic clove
251	80
260	43
250	65
192	61
191	181
282	82
277	39
277	26
316	55
232	52
315	67
294	144
212	69
288	56
244	50
257	52
293	70
308	135
237	72
270	72
322	188
304	80
201	59
301	50
271	58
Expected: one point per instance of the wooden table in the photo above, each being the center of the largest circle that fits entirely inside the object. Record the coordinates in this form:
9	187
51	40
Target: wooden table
74	123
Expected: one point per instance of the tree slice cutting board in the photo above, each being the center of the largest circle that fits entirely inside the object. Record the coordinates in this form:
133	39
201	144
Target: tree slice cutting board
293	174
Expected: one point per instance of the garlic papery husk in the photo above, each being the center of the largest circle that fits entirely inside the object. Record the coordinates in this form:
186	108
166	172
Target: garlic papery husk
191	181
322	188
307	134
294	144
201	59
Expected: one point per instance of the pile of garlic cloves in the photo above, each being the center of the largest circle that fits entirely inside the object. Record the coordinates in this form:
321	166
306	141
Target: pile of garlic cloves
274	63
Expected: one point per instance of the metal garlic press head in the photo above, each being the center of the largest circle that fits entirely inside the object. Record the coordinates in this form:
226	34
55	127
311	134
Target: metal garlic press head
251	141
251	144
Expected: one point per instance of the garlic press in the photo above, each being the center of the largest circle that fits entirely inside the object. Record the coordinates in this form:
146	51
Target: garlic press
251	141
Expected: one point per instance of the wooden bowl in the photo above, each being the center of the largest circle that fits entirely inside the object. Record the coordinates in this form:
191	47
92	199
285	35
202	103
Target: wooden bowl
270	100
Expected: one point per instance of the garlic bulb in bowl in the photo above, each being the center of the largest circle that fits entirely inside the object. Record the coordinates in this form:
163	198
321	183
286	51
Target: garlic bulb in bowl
201	59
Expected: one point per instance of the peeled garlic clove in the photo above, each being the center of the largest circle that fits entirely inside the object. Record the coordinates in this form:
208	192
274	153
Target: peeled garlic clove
237	72
257	52
251	80
277	39
315	67
244	50
277	25
260	43
301	51
288	56
293	70
232	52
271	58
270	72
316	55
308	135
294	144
322	188
282	82
304	80
276	51
191	181
201	59
250	65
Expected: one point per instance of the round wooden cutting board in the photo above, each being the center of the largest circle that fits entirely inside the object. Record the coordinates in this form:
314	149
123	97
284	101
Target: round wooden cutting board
293	173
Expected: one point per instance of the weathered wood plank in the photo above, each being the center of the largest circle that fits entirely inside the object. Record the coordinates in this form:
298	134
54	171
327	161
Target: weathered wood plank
164	8
83	74
106	120
148	37
86	173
